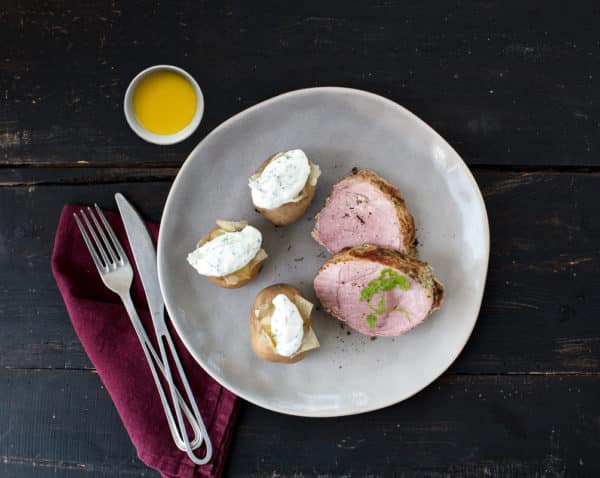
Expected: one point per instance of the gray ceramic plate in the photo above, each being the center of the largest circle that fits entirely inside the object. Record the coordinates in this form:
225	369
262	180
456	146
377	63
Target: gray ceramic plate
338	128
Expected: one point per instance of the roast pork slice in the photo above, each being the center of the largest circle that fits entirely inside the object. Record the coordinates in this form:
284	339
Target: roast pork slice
364	208
341	280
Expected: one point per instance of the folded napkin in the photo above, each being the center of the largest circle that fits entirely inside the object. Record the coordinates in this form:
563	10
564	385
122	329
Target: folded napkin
108	337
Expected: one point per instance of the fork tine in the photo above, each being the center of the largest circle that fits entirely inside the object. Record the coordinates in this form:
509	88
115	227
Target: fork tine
111	233
89	245
111	251
92	232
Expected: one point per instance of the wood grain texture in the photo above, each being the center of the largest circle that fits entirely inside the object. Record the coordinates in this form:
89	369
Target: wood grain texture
30	305
460	427
520	401
512	86
505	83
62	423
53	176
539	311
543	272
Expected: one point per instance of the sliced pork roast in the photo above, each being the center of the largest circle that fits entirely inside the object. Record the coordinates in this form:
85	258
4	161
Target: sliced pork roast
364	208
377	290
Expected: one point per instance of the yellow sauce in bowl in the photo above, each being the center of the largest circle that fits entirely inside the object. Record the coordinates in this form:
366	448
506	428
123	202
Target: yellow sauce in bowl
164	102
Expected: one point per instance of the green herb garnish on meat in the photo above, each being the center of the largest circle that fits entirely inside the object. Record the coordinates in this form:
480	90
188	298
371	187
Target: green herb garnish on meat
372	320
388	279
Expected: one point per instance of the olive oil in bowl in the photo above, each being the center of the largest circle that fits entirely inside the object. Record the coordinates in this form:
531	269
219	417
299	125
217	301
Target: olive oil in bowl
164	104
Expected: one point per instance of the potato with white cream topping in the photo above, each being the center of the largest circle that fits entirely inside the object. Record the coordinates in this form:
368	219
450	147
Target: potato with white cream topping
230	255
284	186
280	325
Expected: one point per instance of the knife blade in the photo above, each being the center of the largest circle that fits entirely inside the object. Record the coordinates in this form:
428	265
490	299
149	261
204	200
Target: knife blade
144	254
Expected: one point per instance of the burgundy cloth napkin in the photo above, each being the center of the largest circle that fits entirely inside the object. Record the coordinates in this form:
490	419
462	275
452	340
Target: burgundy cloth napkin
108	337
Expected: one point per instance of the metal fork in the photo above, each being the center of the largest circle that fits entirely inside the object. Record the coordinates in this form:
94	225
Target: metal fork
117	274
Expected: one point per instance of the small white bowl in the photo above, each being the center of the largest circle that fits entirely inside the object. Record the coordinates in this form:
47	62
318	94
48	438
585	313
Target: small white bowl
162	138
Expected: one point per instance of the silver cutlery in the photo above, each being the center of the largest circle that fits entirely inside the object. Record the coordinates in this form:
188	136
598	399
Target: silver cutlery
145	260
116	273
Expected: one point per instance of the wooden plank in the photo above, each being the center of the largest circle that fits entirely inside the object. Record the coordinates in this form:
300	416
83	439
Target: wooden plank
62	423
38	332
81	175
462	426
502	88
34	468
540	306
539	311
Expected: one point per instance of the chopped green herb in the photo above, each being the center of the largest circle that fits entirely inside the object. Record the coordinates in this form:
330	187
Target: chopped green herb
388	279
372	320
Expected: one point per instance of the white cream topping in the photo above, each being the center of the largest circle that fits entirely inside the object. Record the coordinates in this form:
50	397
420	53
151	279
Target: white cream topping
281	181
226	253
287	326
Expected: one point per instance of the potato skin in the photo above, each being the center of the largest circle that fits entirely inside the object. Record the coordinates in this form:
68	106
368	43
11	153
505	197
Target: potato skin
290	212
252	267
260	344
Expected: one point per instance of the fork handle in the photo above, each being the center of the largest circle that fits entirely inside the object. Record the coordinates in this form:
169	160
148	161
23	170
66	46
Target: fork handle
179	402
164	337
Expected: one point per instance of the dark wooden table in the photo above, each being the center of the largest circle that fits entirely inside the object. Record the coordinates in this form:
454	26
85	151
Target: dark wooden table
515	88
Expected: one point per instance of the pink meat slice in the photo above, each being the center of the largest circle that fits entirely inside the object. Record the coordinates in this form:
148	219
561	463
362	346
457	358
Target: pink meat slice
358	213
338	286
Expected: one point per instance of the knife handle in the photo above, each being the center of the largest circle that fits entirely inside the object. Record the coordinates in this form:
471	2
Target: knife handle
165	337
179	402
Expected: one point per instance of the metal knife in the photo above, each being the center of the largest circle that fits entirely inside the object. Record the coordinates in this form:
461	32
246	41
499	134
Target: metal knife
144	254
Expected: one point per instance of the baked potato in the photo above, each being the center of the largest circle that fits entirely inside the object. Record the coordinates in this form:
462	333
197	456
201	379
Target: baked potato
241	276
292	210
263	342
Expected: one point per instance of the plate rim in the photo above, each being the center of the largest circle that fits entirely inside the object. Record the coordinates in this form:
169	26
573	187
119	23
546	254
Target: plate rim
186	164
